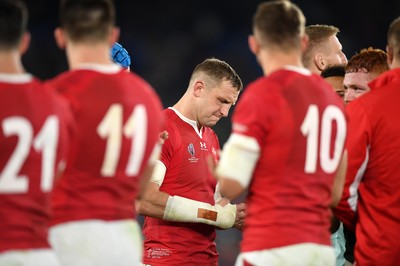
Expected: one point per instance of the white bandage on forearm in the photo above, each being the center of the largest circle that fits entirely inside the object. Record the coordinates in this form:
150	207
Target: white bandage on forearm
179	209
239	158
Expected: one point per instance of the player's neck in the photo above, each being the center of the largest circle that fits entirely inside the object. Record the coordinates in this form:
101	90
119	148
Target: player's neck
78	54
185	107
10	63
314	69
395	63
272	61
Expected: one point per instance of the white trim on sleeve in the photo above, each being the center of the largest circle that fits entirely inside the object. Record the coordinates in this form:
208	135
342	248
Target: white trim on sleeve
353	189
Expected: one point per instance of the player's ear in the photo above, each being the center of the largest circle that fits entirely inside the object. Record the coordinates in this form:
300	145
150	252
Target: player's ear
59	35
389	51
319	61
198	88
304	42
253	44
25	41
114	36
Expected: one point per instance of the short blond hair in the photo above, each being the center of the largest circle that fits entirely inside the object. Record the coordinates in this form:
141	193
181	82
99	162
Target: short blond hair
317	35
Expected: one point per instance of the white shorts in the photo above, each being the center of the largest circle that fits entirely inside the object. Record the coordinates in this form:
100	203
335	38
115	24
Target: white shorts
305	254
29	257
98	243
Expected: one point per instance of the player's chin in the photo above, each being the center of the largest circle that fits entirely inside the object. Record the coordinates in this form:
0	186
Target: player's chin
212	121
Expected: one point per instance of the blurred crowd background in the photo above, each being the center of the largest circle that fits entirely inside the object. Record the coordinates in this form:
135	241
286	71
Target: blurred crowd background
167	39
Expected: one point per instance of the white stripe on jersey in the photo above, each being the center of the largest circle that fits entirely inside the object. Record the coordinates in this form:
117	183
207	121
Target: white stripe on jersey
353	189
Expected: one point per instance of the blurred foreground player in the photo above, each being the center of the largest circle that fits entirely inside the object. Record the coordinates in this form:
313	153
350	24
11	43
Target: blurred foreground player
33	140
371	199
117	118
289	131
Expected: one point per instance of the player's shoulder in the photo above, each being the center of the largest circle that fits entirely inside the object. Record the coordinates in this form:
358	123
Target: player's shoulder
210	134
258	94
209	131
63	81
172	120
171	125
139	84
45	89
384	89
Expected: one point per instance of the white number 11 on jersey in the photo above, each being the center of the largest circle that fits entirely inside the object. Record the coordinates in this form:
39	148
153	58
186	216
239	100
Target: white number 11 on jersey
111	128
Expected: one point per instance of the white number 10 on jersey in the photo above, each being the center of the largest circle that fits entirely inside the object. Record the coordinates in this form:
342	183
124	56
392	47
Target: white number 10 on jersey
313	131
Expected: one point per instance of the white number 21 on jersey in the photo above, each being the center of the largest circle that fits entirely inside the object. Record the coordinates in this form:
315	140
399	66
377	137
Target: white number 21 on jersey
112	128
46	141
311	129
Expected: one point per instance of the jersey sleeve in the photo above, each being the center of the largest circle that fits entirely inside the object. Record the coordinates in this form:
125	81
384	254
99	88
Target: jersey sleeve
358	148
169	145
251	117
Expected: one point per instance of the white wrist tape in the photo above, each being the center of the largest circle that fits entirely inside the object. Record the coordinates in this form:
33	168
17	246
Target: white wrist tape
181	209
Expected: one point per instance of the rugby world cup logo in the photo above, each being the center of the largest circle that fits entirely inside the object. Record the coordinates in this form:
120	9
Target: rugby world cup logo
191	149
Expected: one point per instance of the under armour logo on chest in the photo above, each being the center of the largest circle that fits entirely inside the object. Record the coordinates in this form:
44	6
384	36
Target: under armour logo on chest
203	145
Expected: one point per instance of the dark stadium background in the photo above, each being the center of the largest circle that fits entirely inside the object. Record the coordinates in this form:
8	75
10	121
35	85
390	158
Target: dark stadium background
166	39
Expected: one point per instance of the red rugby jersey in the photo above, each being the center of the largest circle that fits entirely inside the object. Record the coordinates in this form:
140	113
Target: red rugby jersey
33	143
117	118
300	126
184	154
371	197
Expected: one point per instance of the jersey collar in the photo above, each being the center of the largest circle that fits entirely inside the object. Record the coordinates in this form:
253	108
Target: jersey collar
189	121
16	78
105	69
300	70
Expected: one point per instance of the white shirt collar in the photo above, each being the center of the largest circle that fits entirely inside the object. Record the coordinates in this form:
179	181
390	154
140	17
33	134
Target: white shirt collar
298	69
189	121
16	78
105	69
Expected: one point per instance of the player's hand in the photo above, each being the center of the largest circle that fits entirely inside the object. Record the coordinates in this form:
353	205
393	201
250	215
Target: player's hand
163	136
240	216
226	213
223	202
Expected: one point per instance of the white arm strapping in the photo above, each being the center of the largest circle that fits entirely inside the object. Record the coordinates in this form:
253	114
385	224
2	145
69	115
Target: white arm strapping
158	173
155	154
179	209
239	158
217	193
